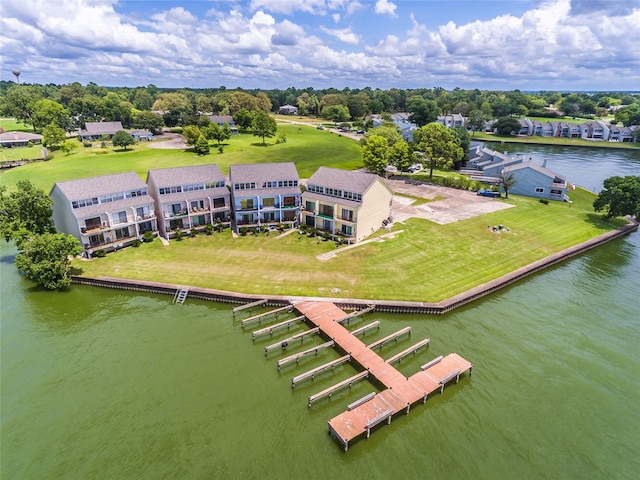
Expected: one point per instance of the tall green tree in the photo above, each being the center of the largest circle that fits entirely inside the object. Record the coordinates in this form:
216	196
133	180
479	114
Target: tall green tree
53	135
149	121
46	112
201	146
263	125
25	211
401	156
336	113
507	125
243	118
45	259
191	133
440	145
422	111
122	139
376	154
620	196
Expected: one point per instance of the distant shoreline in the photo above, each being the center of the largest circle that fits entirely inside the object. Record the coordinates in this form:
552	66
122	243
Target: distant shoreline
516	140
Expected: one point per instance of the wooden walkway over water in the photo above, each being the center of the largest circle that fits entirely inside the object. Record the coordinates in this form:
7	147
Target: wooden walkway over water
401	392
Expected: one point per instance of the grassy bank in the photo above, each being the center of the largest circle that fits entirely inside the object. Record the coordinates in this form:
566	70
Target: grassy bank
425	262
307	147
567	142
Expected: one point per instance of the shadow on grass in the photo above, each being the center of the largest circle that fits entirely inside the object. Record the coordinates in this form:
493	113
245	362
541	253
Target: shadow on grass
262	144
600	221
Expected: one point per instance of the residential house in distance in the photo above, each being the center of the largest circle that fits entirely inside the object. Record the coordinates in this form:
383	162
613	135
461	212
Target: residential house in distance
106	212
189	197
535	180
288	110
348	204
400	120
220	120
265	195
451	121
96	130
18	139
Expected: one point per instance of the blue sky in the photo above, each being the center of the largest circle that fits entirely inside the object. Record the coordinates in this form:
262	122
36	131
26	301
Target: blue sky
485	44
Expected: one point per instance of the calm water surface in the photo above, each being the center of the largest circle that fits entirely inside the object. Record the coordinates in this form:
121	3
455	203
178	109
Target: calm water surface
99	383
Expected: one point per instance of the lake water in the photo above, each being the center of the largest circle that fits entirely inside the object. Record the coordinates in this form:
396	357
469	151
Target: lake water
110	384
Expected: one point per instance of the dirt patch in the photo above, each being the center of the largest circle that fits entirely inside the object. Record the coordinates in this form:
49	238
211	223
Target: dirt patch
169	140
456	204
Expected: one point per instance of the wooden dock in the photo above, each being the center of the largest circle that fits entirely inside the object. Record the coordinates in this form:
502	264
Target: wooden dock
401	392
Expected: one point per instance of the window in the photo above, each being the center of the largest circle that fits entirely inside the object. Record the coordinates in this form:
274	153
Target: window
92	223
327	225
142	212
197	204
347	215
218	202
269	216
326	211
176	208
346	230
268	202
246	203
289	201
122	233
310	206
120	217
539	190
198	220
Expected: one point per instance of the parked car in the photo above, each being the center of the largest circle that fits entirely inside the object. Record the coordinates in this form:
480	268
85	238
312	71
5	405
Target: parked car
320	127
361	132
488	193
415	168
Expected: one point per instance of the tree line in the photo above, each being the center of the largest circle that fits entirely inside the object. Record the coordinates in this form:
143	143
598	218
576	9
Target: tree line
70	106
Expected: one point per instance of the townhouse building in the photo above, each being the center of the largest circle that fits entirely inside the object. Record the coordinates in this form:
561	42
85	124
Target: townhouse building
189	197
264	195
348	204
106	212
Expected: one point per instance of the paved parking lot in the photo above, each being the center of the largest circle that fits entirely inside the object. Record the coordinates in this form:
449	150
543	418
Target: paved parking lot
456	205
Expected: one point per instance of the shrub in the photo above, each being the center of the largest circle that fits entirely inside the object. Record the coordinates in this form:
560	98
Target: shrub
100	253
326	236
136	243
544	201
30	143
193	232
179	235
208	229
87	144
221	149
243	231
147	237
176	130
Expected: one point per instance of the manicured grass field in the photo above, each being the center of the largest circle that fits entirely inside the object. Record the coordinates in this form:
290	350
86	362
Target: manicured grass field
307	147
11	125
425	262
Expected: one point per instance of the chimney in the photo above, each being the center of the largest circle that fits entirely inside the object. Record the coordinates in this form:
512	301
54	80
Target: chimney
544	163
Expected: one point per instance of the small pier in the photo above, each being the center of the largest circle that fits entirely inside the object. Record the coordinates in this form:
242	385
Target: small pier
327	392
388	338
258	318
277	326
283	344
364	328
297	356
356	314
400	393
412	349
312	373
249	306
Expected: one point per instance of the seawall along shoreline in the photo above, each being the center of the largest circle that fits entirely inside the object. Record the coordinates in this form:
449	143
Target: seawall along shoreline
392	306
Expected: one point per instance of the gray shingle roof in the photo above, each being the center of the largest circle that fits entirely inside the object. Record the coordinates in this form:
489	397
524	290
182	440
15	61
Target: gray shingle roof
96	186
356	182
8	137
539	168
102	128
262	172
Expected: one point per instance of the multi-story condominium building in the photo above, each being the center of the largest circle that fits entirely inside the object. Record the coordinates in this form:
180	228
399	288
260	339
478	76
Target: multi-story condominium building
264	195
105	212
189	197
347	204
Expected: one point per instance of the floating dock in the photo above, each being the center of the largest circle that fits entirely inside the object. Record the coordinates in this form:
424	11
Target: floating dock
401	392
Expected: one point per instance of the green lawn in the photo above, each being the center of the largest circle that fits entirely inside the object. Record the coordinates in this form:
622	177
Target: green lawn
307	147
426	262
20	153
11	125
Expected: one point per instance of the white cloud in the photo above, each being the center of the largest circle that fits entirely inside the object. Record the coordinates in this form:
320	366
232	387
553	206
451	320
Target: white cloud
385	7
344	35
